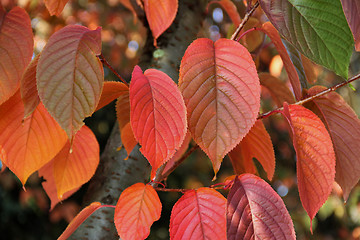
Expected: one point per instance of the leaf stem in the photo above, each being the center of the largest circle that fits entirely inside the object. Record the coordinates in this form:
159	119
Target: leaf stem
246	32
170	189
308	99
103	60
244	21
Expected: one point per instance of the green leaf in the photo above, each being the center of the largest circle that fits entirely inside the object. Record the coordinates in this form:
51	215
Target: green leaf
318	29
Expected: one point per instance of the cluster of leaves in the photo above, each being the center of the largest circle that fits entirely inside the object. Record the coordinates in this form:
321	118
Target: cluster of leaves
44	102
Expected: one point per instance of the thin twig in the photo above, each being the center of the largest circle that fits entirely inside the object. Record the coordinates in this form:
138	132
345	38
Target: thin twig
308	99
170	189
103	60
244	21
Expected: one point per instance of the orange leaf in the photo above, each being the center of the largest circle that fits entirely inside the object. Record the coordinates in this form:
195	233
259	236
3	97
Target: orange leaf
79	219
127	138
136	210
199	214
158	115
123	110
110	92
73	168
29	94
255	211
315	157
221	89
309	69
47	172
55	7
16	41
256	144
70	76
273	34
128	5
344	129
30	143
230	9
160	15
278	89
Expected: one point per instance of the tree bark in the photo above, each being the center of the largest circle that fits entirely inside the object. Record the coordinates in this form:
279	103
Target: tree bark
115	174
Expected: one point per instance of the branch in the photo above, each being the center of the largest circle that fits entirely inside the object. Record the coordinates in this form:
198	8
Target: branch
244	21
103	60
308	99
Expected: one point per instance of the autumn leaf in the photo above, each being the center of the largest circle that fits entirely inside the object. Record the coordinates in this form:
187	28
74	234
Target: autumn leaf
273	34
28	90
352	13
157	115
199	214
128	138
278	89
230	9
70	76
315	157
75	165
256	144
136	210
123	110
160	14
16	41
255	211
344	128
55	7
47	173
30	143
221	89
111	91
79	219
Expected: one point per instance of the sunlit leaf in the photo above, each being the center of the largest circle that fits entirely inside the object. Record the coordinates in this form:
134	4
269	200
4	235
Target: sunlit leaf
230	9
199	214
16	49
352	13
221	90
136	210
256	144
278	89
79	219
318	30
30	143
110	92
28	90
273	34
70	76
315	157
55	7
255	211
160	15
47	173
344	129
74	167
128	138
157	116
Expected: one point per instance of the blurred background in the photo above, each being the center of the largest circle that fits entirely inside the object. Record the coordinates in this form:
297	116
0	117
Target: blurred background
25	215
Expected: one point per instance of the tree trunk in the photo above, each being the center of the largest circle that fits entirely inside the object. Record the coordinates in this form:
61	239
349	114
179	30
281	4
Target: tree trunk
115	174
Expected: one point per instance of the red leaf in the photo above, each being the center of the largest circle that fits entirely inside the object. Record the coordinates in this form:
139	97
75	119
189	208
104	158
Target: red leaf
16	41
199	214
110	92
230	9
79	219
315	157
352	13
344	128
29	94
160	15
273	34
127	138
73	168
30	143
256	144
47	172
136	210
55	7
158	115
221	90
278	89
255	211
73	93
